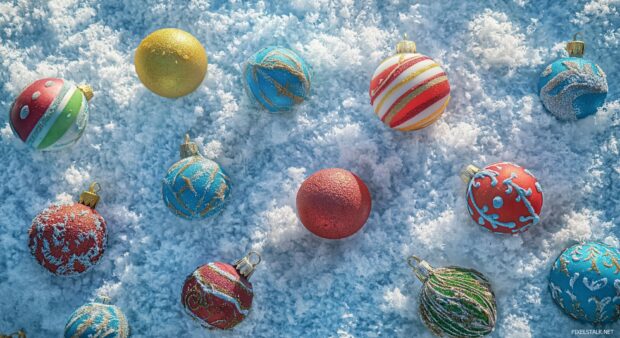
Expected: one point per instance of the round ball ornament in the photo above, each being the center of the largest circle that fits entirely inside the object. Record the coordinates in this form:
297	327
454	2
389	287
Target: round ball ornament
195	187
277	78
97	319
68	239
573	88
171	62
503	197
409	91
50	113
333	203
455	301
585	282
219	295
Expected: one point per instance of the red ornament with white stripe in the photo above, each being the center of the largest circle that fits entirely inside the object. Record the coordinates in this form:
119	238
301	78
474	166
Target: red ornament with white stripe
218	294
409	91
68	239
50	113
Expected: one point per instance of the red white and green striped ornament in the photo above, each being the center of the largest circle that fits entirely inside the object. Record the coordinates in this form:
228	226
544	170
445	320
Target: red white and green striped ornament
51	113
455	301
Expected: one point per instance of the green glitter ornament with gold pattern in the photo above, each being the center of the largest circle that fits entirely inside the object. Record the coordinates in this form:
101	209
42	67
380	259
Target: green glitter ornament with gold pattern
455	302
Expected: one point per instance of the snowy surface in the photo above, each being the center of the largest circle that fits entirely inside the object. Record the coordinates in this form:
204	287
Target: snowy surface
307	287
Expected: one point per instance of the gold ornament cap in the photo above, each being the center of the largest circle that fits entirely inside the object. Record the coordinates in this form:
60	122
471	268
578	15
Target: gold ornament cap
19	334
86	90
246	265
405	46
576	48
468	172
422	269
188	148
90	198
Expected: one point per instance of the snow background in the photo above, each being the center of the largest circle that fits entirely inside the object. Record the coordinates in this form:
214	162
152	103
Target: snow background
493	52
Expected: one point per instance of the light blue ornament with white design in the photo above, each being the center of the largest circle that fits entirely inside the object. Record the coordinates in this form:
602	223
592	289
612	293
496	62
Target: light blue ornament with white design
585	282
195	187
573	88
97	319
277	78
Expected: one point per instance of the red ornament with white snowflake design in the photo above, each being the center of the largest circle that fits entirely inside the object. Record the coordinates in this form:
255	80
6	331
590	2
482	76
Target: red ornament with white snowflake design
68	239
503	197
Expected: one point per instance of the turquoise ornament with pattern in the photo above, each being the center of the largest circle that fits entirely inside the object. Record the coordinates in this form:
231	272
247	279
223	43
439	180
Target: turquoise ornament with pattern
277	78
97	319
195	187
585	282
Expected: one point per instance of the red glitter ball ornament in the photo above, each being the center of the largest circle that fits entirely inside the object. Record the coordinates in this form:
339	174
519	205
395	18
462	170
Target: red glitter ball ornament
68	239
219	294
333	203
503	197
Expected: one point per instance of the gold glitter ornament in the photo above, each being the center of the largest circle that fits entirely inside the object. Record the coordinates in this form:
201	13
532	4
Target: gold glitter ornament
171	62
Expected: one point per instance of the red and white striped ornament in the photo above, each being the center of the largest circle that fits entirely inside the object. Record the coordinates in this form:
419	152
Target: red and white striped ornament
218	294
409	91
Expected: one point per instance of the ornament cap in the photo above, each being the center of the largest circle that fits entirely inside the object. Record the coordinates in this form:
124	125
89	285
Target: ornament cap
19	334
87	91
405	46
422	269
90	198
576	48
246	265
188	148
468	172
103	299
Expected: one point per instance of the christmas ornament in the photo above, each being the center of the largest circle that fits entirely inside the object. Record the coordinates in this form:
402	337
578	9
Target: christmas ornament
409	91
572	88
50	114
277	78
97	319
195	187
218	294
68	239
503	197
171	62
333	203
455	302
585	282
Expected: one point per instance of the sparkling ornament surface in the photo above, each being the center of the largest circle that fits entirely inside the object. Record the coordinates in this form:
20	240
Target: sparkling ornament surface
171	62
409	91
333	203
455	302
68	239
277	78
572	88
504	198
585	282
216	295
97	319
49	114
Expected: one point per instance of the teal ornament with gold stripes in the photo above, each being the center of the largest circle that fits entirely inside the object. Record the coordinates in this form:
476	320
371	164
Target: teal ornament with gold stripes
195	187
97	319
455	301
50	113
277	78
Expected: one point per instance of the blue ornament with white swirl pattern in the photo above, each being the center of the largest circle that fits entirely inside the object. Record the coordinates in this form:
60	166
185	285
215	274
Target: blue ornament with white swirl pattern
573	88
585	282
195	187
97	319
277	78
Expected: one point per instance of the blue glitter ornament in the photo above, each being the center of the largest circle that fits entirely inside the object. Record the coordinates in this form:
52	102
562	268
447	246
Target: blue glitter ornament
277	78
97	319
195	187
585	282
573	88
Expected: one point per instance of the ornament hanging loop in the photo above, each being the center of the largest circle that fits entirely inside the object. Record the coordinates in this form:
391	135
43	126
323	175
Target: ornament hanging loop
468	173
246	265
90	198
420	267
188	148
405	46
576	48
